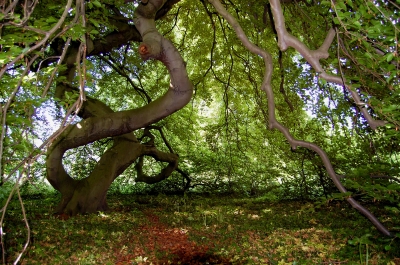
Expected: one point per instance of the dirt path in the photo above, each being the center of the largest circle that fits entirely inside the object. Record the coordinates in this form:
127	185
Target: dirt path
159	244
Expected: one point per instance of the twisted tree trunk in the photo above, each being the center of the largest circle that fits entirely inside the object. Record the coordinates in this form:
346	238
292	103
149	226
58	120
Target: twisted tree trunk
89	194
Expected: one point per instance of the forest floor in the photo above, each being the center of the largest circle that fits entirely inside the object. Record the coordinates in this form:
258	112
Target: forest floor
200	230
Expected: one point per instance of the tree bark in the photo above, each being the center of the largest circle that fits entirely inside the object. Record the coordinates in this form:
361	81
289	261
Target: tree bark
89	194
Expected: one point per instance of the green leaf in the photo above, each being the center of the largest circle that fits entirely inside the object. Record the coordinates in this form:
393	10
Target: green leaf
51	20
353	241
341	6
94	22
326	3
96	3
357	24
389	57
350	3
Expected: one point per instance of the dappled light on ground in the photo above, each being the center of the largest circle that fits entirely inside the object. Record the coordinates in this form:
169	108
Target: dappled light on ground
158	243
201	230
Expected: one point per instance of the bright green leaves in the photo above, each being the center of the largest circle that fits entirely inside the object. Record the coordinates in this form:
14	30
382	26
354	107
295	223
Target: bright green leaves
375	182
69	99
369	40
14	44
45	23
77	32
94	3
94	22
364	240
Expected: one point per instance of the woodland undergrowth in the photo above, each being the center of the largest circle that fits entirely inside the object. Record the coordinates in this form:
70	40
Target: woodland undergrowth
194	229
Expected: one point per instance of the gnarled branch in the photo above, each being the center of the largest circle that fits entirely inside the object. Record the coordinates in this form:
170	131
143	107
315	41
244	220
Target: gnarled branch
273	123
286	40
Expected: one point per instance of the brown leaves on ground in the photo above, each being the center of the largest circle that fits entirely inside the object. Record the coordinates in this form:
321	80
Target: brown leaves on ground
160	244
175	230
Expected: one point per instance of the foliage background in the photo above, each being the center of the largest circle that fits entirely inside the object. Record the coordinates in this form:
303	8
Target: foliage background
222	136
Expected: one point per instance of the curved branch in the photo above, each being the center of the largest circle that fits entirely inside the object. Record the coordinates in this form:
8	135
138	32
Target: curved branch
286	40
120	70
154	46
274	124
172	160
185	176
42	41
386	177
159	129
113	40
151	150
103	122
126	32
267	9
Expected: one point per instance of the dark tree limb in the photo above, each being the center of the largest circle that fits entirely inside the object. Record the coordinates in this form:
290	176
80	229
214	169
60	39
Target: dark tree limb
120	70
160	130
172	160
185	176
385	177
281	85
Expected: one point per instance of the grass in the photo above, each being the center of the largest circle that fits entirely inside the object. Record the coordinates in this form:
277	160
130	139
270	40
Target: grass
200	230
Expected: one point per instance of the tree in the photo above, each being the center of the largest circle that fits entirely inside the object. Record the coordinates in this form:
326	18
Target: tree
333	43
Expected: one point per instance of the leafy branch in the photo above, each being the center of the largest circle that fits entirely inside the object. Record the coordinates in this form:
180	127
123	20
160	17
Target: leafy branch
286	40
266	86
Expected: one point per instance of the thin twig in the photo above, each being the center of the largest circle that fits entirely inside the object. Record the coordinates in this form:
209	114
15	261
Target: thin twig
39	43
28	229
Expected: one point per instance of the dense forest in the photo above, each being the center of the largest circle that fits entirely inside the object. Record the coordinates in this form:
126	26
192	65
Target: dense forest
188	103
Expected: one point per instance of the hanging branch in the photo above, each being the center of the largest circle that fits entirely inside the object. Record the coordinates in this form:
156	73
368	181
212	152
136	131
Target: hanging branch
40	43
121	70
159	129
267	7
286	40
210	15
274	124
